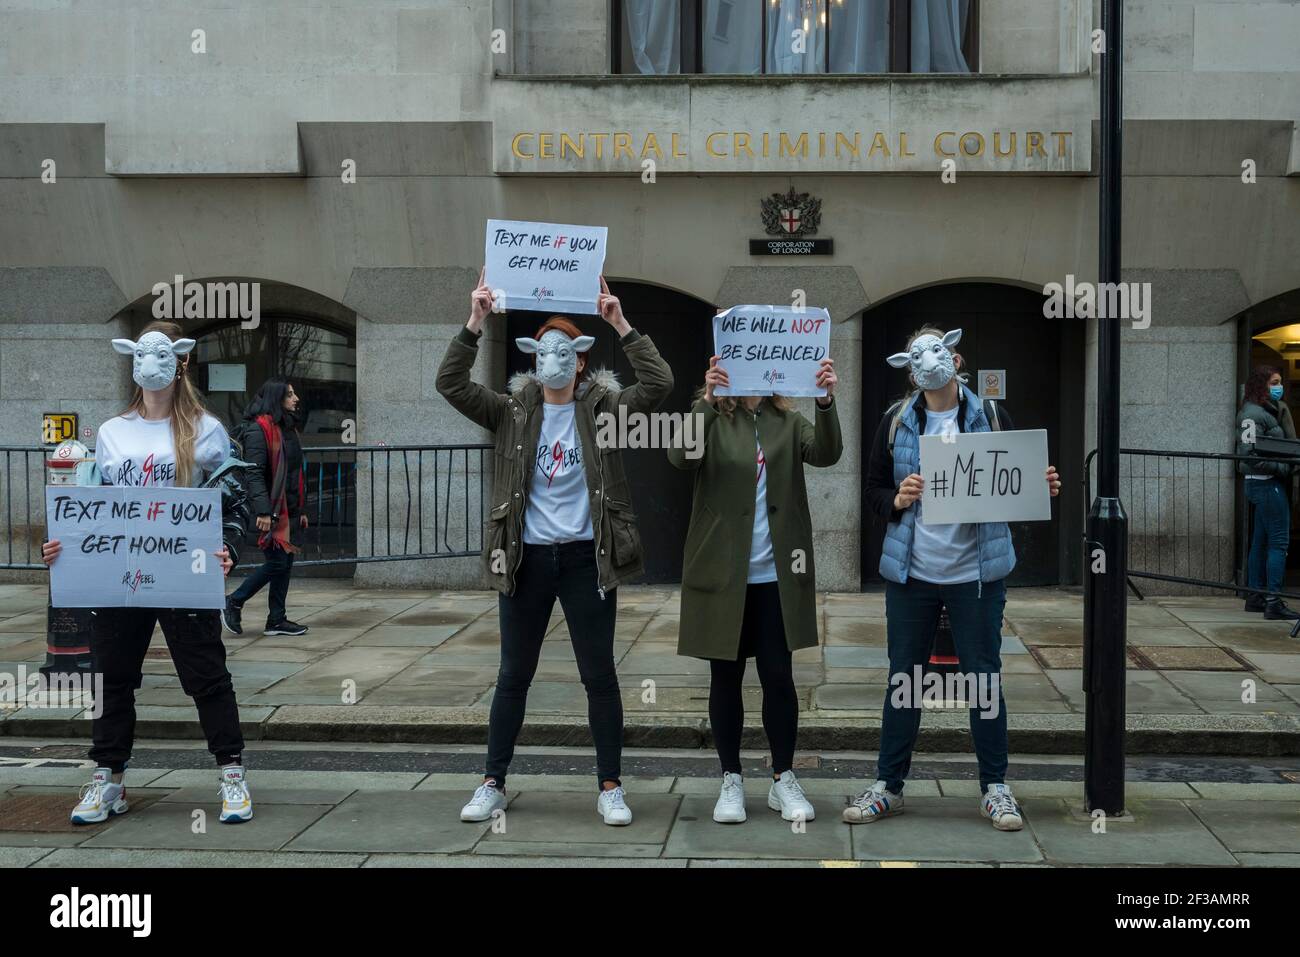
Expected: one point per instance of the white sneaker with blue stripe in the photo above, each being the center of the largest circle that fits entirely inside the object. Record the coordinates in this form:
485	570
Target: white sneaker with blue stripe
872	804
999	806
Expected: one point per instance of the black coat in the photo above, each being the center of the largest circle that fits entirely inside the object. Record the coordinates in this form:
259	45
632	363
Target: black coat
259	475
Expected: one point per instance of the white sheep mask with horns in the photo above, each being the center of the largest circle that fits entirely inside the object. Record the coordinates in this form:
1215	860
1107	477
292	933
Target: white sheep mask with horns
930	359
154	358
557	356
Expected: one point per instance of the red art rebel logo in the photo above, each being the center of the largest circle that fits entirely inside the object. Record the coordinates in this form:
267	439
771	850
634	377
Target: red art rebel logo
551	460
133	580
149	472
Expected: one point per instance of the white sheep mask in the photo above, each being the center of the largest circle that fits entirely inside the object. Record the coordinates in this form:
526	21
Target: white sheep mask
154	365
930	359
557	356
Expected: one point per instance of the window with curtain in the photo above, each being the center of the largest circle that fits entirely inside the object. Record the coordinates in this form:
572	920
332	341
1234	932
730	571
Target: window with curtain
787	37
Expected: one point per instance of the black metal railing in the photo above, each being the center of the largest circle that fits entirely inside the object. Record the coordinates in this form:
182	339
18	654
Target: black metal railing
1185	525
417	502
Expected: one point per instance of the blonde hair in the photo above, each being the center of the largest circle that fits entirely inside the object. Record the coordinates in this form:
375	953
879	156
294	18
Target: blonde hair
187	406
726	404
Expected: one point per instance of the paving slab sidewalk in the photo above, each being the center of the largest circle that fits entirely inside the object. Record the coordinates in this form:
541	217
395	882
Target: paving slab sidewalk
551	821
419	665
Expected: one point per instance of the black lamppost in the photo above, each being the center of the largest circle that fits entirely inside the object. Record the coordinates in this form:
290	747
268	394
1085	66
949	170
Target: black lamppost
1105	604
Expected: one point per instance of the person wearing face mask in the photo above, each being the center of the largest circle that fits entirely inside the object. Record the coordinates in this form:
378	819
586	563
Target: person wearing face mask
165	438
1264	415
961	567
273	449
561	524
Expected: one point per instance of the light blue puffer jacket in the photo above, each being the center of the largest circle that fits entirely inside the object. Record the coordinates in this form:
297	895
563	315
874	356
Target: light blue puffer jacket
997	556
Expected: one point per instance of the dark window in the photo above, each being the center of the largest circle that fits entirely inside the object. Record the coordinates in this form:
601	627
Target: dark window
789	37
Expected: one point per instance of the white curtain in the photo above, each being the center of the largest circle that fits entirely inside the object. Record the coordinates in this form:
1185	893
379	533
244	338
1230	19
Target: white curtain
784	18
731	37
860	36
937	29
654	35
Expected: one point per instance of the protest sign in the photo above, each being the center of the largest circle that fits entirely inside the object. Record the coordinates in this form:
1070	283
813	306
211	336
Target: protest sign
546	266
985	477
772	350
135	547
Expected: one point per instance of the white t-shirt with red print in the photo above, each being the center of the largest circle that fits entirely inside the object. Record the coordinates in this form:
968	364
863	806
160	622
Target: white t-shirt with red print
558	510
131	450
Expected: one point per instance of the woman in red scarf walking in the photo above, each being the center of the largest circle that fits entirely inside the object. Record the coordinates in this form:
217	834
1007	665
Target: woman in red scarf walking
273	449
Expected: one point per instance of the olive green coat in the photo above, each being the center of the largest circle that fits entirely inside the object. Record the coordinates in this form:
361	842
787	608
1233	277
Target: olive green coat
716	564
515	420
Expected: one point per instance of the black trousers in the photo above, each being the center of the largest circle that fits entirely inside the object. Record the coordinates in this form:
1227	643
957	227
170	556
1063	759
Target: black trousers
547	572
762	637
118	643
275	571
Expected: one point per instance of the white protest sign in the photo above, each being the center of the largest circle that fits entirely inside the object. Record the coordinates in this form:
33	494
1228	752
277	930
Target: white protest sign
546	266
134	546
985	477
772	350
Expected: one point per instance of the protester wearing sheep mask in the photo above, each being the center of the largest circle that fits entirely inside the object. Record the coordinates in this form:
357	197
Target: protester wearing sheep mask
154	358
557	356
931	359
562	526
165	439
960	567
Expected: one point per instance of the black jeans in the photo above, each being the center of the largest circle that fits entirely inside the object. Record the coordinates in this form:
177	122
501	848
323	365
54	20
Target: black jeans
275	570
118	643
762	637
547	572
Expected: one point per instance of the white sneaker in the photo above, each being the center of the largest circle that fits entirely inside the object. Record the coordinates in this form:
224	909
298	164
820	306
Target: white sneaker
487	800
236	801
999	806
612	806
872	804
785	795
100	799
730	808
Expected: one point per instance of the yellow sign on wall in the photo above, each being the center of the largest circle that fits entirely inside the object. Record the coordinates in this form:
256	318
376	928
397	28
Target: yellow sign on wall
58	426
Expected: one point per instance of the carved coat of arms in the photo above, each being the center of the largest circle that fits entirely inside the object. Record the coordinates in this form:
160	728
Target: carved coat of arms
791	214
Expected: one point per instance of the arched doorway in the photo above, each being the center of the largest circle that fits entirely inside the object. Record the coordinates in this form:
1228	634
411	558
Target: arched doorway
319	358
311	339
682	330
1003	327
1272	334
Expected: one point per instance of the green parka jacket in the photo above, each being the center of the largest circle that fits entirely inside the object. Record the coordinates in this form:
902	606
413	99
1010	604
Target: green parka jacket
515	419
716	564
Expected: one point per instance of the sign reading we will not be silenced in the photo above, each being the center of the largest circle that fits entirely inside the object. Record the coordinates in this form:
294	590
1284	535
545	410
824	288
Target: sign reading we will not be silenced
135	547
985	477
544	265
772	350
